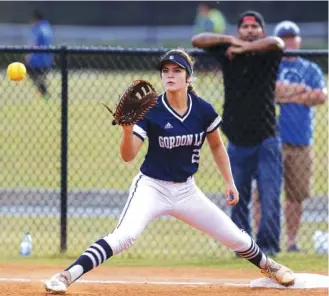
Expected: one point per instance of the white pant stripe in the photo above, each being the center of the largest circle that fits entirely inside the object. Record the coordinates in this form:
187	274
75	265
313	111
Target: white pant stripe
251	255
91	257
92	250
101	249
252	251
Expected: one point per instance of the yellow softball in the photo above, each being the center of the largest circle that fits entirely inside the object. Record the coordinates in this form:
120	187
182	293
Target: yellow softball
16	71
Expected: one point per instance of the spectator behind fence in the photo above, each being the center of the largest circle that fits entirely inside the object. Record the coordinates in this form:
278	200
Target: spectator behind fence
250	64
300	86
38	64
209	20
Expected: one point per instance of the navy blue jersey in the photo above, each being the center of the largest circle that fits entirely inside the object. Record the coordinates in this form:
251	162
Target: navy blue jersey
175	141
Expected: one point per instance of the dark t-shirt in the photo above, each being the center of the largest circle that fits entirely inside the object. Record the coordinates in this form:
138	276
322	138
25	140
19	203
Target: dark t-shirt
249	106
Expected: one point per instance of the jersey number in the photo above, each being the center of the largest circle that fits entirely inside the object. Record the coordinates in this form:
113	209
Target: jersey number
196	156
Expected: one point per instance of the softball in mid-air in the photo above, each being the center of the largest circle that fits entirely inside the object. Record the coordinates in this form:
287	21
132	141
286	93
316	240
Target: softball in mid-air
16	71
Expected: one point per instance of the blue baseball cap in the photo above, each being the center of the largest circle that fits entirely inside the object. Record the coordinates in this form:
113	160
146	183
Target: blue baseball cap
178	60
286	28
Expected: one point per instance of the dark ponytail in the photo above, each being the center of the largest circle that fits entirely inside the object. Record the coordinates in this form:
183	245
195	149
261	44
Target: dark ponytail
191	90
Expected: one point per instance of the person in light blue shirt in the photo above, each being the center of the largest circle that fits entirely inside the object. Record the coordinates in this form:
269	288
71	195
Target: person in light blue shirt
299	88
38	64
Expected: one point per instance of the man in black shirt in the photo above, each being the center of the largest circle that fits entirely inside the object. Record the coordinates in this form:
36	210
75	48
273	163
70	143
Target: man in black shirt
250	64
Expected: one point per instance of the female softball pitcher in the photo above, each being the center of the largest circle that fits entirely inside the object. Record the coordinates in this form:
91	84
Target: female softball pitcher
176	127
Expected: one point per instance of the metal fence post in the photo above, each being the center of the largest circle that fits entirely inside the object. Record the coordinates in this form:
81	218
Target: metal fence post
64	136
98	191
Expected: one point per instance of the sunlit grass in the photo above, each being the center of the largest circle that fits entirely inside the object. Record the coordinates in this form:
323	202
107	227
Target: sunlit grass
31	134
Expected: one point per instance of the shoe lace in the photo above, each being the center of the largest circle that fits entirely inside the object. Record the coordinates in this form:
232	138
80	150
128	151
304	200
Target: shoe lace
65	278
271	269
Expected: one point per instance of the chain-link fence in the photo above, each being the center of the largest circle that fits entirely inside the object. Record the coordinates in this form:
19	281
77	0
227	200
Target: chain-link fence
62	177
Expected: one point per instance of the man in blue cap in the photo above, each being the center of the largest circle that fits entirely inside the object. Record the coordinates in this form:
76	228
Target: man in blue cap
299	87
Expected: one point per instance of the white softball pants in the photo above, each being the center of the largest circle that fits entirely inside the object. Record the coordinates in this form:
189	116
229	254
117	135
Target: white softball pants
150	198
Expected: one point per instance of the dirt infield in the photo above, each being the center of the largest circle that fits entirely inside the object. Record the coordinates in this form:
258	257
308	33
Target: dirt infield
24	280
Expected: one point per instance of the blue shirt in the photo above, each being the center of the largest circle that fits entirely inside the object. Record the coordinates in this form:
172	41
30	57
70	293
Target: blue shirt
41	35
175	141
296	120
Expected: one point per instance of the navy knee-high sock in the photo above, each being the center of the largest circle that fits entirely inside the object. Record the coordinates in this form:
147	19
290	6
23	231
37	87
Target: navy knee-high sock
95	255
255	255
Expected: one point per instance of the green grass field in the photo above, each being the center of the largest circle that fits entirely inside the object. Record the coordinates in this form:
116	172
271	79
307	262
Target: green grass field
31	134
30	145
184	246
